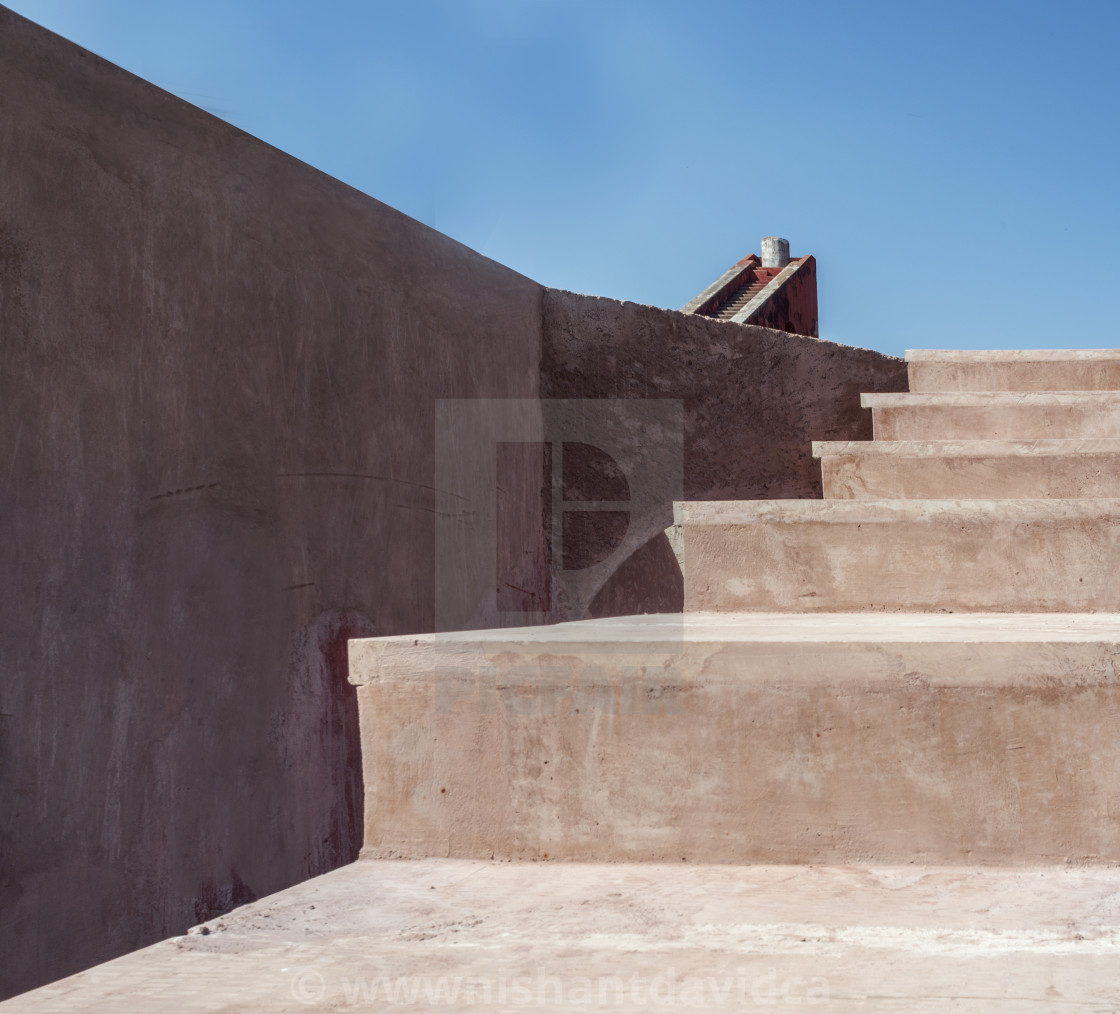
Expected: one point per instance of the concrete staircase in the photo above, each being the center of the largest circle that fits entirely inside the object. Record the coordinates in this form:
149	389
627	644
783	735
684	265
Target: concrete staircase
895	673
874	766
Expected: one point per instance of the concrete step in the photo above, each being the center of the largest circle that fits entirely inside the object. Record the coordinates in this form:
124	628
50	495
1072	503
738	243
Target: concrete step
747	739
457	935
938	370
999	416
969	469
902	555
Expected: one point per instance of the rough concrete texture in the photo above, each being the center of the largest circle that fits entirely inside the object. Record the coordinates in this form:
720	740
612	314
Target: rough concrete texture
1034	415
969	469
946	735
220	370
754	399
890	555
771	738
460	935
937	370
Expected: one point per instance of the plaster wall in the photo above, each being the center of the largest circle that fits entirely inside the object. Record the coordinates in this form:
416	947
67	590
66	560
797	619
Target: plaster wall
219	370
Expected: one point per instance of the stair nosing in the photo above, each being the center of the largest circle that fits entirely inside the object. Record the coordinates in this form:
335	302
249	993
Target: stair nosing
964	448
969	399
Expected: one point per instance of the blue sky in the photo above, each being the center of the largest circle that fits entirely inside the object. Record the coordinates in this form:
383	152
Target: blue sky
952	166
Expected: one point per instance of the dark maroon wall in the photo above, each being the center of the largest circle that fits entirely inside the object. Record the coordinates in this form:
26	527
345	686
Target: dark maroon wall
218	369
793	307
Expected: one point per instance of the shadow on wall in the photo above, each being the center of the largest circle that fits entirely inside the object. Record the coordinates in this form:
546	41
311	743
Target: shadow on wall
589	524
752	401
650	580
323	710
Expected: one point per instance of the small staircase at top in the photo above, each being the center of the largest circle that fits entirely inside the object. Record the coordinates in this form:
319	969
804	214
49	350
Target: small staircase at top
922	667
758	279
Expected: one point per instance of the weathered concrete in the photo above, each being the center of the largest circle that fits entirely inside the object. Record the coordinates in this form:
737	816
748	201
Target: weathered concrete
936	370
456	934
771	738
899	555
220	371
1034	415
754	399
944	735
775	252
969	469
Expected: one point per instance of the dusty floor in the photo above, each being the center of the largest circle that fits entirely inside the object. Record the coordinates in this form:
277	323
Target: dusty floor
466	935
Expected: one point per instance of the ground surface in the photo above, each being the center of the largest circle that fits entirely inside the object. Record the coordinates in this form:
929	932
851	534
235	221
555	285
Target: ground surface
465	935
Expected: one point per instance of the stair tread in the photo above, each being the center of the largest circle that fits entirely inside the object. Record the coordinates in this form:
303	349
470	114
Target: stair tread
968	448
1010	355
906	399
377	658
729	512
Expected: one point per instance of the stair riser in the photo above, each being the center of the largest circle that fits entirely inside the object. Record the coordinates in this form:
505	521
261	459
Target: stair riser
979	376
929	477
997	422
770	753
946	562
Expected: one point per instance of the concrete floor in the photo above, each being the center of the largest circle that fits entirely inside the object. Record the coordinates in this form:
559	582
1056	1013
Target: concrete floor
468	935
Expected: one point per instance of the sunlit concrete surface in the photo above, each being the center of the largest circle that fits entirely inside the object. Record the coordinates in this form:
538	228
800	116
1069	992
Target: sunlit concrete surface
741	738
902	555
1013	370
1007	415
462	935
969	469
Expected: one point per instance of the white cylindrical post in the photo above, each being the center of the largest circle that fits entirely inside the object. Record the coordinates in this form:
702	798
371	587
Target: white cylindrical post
775	252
